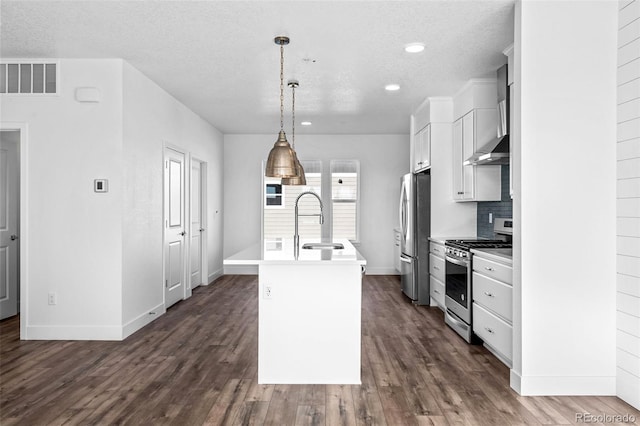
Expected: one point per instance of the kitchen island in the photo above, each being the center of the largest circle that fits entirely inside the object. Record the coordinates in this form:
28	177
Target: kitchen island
309	307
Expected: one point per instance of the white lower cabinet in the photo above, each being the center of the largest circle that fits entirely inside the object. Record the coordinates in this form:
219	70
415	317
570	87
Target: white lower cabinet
436	274
396	249
496	333
493	305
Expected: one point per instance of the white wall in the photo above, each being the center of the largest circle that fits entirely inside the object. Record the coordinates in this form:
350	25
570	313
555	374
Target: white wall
564	206
383	160
102	252
628	210
153	118
74	244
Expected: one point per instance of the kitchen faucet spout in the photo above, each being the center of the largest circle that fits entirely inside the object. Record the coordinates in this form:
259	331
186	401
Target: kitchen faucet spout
296	236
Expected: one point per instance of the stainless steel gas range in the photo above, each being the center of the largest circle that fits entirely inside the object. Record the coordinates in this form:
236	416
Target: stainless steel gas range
458	282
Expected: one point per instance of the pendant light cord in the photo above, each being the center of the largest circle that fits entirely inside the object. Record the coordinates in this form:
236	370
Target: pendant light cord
282	86
293	118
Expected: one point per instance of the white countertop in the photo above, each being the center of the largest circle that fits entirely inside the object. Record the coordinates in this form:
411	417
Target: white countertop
280	251
503	255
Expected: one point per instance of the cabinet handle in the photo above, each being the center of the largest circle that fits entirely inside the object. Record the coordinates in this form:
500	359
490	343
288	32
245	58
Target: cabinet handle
436	291
419	162
489	330
436	268
488	294
488	268
460	192
436	250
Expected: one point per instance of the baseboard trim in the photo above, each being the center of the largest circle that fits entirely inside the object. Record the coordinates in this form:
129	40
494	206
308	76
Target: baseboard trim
66	332
214	276
381	271
563	385
628	387
241	269
143	319
515	381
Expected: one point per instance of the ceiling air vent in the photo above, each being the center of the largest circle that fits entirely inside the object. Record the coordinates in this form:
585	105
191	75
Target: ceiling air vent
33	78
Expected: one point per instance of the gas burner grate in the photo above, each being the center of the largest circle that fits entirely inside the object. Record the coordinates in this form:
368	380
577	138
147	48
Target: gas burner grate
474	244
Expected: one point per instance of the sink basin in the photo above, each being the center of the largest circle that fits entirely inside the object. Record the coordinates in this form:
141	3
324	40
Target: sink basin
323	246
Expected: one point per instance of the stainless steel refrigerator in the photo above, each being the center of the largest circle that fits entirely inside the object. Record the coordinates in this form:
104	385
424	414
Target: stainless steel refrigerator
415	220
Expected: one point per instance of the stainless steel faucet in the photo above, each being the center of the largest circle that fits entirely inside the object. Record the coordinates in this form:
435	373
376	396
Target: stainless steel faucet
296	237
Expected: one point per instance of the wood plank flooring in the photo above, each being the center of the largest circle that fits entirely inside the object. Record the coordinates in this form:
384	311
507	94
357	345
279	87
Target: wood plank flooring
197	365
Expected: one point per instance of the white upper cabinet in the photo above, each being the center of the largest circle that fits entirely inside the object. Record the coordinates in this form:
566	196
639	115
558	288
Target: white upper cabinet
422	149
431	113
476	123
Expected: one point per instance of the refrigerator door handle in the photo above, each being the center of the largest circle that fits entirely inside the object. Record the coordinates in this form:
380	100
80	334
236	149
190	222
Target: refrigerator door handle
401	211
405	259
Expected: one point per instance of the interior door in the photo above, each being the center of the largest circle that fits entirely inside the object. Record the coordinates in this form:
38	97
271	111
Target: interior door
9	213
175	229
197	226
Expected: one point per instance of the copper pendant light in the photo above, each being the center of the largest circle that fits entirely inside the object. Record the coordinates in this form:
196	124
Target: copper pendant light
281	162
299	178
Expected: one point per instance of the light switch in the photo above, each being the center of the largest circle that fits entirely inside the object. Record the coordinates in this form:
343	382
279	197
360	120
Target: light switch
101	185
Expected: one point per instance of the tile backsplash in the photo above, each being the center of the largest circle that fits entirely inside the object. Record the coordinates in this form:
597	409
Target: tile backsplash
502	208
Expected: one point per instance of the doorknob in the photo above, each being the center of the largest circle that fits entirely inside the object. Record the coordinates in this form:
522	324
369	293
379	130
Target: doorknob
183	233
201	229
14	237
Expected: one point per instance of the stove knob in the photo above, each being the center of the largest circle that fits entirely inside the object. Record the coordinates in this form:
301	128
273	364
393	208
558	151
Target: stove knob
464	254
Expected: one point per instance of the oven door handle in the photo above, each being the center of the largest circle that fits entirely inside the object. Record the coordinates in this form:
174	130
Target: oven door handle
457	262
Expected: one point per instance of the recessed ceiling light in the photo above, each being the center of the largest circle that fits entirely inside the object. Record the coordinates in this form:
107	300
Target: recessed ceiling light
414	47
305	123
392	87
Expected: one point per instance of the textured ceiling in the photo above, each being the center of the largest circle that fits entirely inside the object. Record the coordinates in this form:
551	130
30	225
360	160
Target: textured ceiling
219	58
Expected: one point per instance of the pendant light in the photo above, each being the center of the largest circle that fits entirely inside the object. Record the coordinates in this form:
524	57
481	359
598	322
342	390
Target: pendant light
299	178
281	161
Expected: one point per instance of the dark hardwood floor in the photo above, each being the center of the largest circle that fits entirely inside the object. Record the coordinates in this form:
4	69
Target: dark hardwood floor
197	364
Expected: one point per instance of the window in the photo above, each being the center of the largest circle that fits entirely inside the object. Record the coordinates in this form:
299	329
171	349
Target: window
341	203
278	217
273	194
345	194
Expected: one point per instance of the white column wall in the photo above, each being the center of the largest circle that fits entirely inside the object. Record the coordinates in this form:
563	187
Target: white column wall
153	118
564	206
628	204
383	160
74	243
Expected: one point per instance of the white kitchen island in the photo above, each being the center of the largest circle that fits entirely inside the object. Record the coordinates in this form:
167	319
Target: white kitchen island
309	323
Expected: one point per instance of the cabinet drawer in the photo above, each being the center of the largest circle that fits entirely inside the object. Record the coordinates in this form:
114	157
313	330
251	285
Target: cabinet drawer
492	269
493	295
436	249
437	291
436	267
495	332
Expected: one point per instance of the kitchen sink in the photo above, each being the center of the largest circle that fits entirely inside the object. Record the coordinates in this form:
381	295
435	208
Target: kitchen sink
323	246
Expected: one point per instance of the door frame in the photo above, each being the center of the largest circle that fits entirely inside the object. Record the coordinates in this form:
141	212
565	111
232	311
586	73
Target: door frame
187	214
23	269
204	267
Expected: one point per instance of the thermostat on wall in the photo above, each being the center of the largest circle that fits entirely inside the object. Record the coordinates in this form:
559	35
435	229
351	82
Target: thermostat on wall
101	185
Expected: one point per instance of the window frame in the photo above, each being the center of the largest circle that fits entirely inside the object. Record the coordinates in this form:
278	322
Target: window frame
356	164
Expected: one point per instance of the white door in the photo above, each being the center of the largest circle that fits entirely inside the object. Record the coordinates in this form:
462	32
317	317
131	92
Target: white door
175	229
197	225
9	213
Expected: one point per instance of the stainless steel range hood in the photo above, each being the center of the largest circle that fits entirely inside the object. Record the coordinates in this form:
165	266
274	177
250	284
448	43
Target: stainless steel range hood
497	151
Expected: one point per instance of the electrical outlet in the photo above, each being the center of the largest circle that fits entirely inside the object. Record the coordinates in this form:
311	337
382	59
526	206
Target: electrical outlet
490	217
268	292
53	298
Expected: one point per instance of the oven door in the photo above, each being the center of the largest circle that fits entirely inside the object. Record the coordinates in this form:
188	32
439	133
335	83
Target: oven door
458	288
